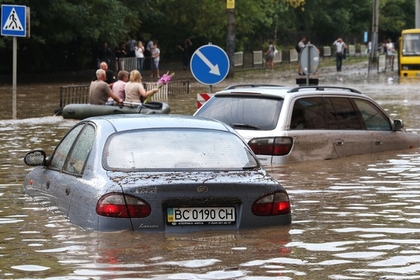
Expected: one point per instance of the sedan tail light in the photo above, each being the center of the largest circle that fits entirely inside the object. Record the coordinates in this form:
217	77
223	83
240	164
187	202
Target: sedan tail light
274	146
118	205
273	204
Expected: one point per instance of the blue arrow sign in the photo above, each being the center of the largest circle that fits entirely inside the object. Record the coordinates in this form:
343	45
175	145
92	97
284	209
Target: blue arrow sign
209	64
13	20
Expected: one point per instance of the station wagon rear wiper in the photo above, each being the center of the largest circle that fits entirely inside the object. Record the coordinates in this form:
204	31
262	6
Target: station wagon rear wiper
243	125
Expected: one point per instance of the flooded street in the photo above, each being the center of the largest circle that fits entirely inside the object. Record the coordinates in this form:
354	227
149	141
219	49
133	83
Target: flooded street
353	218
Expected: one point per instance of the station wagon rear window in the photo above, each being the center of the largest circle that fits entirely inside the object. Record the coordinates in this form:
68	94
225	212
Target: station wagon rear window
242	112
179	149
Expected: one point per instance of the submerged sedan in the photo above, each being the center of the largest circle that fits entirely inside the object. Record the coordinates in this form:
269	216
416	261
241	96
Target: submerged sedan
164	173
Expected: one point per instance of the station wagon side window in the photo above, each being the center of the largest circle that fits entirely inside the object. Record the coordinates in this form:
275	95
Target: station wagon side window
341	114
374	118
71	153
326	113
308	113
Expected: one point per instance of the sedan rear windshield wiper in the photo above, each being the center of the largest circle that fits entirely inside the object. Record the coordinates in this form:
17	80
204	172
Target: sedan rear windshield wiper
244	125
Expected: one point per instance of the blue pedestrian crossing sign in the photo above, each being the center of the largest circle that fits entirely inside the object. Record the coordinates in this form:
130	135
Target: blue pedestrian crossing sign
13	20
209	64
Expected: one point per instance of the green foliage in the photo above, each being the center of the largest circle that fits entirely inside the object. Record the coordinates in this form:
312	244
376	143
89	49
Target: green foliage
65	33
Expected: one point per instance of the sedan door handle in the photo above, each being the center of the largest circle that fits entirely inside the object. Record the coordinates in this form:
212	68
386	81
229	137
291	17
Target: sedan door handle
378	143
339	142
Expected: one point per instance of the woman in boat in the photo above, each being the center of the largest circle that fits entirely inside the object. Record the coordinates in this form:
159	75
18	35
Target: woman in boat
134	90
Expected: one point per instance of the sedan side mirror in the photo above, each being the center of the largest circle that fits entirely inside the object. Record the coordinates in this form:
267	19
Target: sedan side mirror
35	158
398	125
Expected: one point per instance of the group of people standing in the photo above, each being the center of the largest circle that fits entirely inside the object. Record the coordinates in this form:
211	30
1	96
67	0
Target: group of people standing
148	57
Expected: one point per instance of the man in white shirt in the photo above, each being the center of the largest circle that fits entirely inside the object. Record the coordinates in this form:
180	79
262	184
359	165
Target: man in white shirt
341	48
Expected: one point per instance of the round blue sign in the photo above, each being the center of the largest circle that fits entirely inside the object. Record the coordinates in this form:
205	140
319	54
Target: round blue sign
209	64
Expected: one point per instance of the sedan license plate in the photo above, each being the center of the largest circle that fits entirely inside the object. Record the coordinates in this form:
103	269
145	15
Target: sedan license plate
201	216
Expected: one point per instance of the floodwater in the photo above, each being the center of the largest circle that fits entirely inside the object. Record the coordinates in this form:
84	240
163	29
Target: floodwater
353	218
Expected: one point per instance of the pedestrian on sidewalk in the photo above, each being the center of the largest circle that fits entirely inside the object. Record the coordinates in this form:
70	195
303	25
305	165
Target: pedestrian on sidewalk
184	47
156	60
269	56
299	49
339	53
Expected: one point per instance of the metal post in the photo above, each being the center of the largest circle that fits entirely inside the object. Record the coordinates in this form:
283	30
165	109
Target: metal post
417	14
373	59
14	77
308	65
230	40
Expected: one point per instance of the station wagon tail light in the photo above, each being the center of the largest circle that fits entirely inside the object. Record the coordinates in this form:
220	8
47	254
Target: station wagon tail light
273	146
118	205
273	204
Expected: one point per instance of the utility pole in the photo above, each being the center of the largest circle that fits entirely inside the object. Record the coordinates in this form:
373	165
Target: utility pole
230	37
417	14
373	59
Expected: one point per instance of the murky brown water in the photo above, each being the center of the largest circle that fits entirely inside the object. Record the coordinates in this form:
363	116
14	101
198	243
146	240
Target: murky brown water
353	218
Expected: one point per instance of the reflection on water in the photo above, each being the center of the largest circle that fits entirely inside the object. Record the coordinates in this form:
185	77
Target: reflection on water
353	218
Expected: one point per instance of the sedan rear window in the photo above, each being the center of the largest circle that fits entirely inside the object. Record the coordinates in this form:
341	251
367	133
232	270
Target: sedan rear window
241	112
177	149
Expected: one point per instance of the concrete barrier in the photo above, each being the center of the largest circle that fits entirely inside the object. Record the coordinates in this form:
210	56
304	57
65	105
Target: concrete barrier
257	58
277	57
326	51
239	59
293	55
351	51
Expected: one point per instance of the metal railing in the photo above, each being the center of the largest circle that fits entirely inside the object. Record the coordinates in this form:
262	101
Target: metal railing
78	94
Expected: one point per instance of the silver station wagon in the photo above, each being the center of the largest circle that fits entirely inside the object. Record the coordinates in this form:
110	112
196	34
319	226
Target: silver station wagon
284	125
164	173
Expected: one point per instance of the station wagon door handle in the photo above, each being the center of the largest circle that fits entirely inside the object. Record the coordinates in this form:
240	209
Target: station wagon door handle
378	143
339	142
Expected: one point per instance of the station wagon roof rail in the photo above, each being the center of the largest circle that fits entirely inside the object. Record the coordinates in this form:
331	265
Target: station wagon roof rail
252	85
323	88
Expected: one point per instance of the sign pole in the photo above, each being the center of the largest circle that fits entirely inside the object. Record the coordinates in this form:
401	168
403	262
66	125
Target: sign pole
230	36
14	22
308	66
14	77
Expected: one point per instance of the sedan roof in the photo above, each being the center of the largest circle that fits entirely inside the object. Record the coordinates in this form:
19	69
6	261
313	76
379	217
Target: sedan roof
140	121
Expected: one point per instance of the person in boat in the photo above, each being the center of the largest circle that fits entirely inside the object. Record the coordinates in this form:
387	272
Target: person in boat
134	90
119	86
100	91
110	76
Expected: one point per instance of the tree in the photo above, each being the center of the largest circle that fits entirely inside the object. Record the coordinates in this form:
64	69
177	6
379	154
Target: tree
64	33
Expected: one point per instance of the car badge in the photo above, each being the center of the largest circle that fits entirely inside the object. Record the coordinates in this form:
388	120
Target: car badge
202	189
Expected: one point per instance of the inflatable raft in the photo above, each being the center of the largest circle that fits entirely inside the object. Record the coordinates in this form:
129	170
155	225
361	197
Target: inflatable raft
82	111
